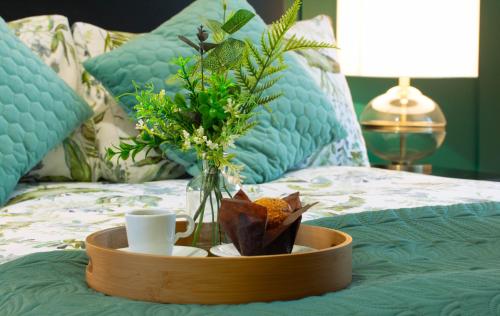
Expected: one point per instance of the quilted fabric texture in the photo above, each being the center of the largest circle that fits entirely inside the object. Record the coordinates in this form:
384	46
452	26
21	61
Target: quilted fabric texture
50	38
348	149
37	110
81	156
417	261
301	122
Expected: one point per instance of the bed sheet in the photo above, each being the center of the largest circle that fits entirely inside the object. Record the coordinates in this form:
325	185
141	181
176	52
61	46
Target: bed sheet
51	216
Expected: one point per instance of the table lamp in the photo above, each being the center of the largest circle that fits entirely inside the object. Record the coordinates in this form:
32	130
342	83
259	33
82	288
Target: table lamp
407	39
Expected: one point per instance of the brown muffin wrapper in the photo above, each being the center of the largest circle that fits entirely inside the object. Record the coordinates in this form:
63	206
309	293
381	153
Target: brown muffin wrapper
245	224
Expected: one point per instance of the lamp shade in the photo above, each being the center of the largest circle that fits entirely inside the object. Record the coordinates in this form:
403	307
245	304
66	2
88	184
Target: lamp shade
408	38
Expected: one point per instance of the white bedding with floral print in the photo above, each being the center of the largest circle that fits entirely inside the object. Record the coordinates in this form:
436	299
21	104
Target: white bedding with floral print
47	217
81	157
348	149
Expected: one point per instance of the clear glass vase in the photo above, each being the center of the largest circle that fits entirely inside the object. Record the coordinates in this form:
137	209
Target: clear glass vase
203	197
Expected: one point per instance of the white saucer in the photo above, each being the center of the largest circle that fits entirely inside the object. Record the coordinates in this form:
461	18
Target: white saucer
229	250
181	251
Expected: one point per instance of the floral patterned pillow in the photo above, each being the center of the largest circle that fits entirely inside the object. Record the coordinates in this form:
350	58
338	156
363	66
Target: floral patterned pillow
50	38
345	150
110	122
81	157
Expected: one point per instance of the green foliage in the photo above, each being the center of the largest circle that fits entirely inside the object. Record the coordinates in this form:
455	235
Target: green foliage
58	38
237	21
261	65
294	43
222	86
215	27
227	55
79	169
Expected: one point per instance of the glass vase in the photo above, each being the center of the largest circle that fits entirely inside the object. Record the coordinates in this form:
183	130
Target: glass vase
204	194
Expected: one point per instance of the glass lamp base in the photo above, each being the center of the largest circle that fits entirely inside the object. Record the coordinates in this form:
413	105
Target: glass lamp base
422	168
403	125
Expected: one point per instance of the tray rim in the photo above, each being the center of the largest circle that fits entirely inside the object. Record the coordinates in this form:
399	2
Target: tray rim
220	280
91	237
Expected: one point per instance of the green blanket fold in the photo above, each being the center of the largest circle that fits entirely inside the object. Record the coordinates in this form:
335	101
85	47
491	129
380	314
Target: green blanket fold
422	261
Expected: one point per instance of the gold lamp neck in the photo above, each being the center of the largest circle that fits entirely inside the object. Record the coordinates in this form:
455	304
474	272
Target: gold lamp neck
404	90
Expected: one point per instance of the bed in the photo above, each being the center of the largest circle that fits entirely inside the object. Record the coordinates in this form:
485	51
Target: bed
423	245
51	216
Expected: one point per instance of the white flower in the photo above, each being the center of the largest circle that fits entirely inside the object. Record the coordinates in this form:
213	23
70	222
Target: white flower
162	93
230	141
185	134
212	145
197	140
200	131
139	125
229	106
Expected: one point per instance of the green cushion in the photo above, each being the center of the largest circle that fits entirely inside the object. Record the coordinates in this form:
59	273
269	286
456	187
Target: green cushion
37	110
419	261
300	123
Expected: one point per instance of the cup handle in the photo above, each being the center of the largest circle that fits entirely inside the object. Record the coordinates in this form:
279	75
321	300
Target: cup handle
189	229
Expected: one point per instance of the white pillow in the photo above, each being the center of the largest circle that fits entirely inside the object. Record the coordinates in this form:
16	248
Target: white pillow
348	149
49	37
111	123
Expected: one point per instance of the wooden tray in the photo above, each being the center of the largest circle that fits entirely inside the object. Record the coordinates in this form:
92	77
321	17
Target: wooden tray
213	280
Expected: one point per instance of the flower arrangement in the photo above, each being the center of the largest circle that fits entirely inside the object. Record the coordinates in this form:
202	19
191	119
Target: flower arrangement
223	83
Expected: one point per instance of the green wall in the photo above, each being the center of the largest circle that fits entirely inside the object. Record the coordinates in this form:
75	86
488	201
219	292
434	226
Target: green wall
470	105
488	107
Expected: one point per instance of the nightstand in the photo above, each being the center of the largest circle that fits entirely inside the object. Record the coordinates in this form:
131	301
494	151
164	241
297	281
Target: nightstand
452	173
465	174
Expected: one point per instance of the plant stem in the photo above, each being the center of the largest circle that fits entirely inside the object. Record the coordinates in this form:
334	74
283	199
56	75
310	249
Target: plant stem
209	186
191	88
213	220
225	189
218	196
202	69
200	223
224	9
203	201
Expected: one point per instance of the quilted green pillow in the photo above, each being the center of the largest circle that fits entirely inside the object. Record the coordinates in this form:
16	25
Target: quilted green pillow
37	110
300	123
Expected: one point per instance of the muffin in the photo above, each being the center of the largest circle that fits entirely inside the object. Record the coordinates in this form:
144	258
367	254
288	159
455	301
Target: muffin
277	211
267	226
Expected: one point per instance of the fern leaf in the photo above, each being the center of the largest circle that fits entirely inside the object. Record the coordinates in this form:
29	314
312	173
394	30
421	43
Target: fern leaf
255	53
261	87
279	28
274	35
272	44
249	65
263	44
243	79
294	43
291	14
271	70
268	99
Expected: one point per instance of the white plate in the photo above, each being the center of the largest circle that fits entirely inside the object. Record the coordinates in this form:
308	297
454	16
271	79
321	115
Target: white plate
182	251
229	250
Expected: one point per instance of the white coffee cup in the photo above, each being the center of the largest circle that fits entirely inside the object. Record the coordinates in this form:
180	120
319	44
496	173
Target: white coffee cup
153	231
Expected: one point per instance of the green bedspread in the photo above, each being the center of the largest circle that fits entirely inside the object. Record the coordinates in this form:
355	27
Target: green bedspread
420	261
